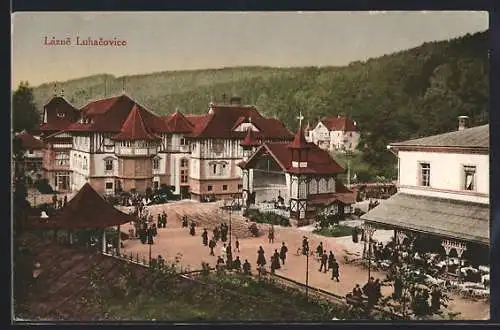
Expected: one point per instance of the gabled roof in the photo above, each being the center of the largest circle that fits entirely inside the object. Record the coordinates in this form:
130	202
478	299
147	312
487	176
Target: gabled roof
339	123
319	161
221	120
109	115
249	140
87	209
178	123
134	128
28	141
474	137
54	108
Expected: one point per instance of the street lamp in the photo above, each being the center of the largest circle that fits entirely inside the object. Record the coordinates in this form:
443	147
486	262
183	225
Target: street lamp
369	231
348	154
307	268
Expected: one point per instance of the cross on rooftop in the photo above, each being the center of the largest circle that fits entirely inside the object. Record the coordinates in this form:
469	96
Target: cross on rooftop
300	118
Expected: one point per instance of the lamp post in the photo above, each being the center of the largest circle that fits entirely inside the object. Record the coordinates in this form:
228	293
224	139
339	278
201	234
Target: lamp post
348	155
460	248
307	269
369	231
401	237
447	245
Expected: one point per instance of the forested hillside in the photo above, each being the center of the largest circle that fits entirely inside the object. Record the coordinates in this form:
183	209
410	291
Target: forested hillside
408	94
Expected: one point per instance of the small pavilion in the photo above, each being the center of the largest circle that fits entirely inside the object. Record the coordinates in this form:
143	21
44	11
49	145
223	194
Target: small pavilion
86	210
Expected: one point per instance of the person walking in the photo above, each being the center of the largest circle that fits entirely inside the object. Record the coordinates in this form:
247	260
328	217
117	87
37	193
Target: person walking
192	230
324	260
305	246
331	259
204	236
223	252
237	245
270	235
355	235
212	245
261	259
335	270
283	252
319	250
276	259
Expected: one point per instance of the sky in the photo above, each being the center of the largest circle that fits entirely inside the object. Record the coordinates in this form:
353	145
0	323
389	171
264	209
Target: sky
162	41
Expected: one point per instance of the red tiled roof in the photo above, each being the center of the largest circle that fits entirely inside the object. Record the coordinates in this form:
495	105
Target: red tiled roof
56	107
134	128
28	141
86	210
99	107
339	124
319	161
195	119
249	140
109	115
178	123
220	122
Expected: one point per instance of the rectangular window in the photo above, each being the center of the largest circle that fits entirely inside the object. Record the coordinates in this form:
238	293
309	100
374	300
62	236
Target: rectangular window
209	188
184	162
109	185
469	178
224	187
184	176
156	163
184	142
425	174
109	164
214	168
30	152
240	186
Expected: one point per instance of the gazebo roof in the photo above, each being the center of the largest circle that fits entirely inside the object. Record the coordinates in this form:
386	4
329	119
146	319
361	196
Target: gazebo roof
86	210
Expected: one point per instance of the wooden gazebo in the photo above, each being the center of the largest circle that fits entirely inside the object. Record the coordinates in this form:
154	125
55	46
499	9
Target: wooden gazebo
86	210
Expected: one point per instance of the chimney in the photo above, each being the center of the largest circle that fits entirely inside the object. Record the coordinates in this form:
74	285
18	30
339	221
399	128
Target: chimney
463	122
235	100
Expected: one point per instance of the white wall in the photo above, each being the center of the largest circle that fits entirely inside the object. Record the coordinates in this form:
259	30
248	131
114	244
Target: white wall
446	173
100	165
337	139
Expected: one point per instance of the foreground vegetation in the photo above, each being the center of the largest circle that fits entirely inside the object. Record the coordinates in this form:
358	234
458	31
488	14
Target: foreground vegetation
213	297
334	231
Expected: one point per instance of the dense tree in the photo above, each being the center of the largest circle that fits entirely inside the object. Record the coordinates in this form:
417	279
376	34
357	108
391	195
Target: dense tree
409	94
24	111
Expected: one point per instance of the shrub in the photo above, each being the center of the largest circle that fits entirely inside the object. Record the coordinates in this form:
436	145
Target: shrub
254	230
267	217
43	186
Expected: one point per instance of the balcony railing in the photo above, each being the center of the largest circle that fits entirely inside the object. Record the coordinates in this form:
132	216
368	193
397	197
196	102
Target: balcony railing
137	152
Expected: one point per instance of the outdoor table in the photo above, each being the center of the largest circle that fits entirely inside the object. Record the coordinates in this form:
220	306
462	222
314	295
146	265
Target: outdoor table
465	269
484	269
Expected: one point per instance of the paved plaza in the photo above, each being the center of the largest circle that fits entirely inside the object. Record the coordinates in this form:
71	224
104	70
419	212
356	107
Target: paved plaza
175	241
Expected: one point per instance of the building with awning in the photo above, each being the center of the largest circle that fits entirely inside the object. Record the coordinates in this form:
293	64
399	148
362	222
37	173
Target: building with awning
86	210
443	190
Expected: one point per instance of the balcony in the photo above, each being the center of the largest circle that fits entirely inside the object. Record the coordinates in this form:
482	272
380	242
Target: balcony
135	152
177	148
